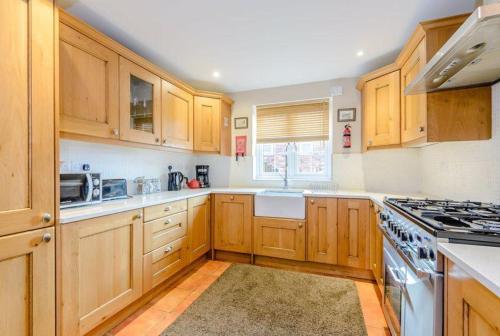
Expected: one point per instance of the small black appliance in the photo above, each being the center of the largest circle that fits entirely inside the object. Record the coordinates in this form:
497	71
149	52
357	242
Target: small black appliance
202	175
175	179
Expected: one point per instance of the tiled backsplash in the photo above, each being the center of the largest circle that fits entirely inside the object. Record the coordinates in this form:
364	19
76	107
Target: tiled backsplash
465	170
126	162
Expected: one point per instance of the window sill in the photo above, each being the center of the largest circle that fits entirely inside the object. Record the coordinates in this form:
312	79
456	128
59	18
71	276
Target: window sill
300	179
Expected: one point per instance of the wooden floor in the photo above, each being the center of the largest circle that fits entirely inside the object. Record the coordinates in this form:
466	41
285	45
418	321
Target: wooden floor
158	314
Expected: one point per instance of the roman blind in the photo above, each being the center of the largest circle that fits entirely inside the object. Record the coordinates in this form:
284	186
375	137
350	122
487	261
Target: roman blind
293	122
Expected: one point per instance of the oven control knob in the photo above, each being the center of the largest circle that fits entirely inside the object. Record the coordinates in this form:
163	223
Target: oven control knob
383	216
395	228
404	236
96	182
432	255
96	192
410	237
422	252
399	230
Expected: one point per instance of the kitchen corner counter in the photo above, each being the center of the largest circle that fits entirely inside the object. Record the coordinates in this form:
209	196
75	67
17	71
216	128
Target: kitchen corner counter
141	201
480	262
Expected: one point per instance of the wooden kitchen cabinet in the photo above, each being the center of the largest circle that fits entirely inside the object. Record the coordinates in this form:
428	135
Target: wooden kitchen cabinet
376	246
381	107
101	269
27	283
207	116
233	222
225	129
27	131
89	86
470	308
140	104
198	226
279	238
322	230
177	117
353	233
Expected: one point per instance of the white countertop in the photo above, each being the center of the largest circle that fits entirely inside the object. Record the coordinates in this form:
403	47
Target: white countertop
481	262
140	201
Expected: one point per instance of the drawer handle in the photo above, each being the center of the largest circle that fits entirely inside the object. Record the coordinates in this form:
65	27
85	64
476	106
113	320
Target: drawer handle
168	221
231	198
168	208
46	217
168	249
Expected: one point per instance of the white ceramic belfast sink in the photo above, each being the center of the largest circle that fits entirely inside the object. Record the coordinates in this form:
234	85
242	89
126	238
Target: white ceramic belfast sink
282	203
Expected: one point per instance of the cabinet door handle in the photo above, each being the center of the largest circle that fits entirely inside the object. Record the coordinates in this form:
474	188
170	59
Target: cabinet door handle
311	201
46	217
46	237
157	140
421	128
115	131
164	141
138	216
300	225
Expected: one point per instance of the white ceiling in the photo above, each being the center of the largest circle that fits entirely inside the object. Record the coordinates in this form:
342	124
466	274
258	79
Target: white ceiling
263	43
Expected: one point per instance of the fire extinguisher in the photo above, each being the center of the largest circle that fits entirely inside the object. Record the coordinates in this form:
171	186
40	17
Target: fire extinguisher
347	136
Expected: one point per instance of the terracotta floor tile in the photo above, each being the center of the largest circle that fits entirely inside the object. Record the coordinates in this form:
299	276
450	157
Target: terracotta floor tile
187	302
162	325
374	331
167	303
144	321
222	269
211	266
193	281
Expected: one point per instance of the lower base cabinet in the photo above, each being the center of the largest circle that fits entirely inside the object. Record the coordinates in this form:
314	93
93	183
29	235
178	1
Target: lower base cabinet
353	233
198	226
27	283
162	263
101	269
280	238
322	228
470	308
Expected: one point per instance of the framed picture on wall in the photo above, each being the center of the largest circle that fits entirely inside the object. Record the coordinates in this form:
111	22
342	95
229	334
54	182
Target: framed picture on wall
346	114
241	123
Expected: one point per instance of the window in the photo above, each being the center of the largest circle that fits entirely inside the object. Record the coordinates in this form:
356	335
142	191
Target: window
297	134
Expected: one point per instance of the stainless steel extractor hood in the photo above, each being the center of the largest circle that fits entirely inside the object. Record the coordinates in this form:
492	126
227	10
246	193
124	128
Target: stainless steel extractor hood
470	57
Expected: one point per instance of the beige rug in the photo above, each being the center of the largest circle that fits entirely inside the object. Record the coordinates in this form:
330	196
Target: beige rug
252	300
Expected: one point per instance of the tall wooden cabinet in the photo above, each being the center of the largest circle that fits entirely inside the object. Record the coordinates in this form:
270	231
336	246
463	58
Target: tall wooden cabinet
322	230
198	226
470	308
140	104
233	223
89	90
207	116
101	269
27	140
353	229
381	106
177	117
27	277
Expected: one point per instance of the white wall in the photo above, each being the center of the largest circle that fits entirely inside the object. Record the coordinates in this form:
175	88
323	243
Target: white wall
465	170
385	170
129	163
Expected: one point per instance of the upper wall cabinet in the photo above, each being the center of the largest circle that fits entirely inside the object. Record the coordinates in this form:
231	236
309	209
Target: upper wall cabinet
27	115
110	94
207	114
452	115
381	102
140	104
88	86
177	117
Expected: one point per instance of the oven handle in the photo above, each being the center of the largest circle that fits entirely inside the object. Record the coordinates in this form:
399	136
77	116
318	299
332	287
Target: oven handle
88	177
420	273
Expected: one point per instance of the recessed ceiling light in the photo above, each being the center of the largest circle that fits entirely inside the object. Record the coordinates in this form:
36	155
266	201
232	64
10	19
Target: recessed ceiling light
216	74
360	53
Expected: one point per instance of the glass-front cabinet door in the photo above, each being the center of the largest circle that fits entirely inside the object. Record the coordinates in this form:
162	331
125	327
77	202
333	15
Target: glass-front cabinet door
140	104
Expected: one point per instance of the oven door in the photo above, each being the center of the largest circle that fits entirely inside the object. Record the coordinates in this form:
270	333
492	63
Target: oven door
394	288
75	189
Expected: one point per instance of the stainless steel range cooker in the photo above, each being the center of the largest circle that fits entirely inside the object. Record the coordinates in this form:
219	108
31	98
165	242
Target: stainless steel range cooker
413	287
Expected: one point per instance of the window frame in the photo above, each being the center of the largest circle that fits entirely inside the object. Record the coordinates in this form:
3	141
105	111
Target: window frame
293	175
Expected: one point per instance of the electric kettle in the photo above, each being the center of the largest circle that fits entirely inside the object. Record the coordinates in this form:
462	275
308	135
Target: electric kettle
175	179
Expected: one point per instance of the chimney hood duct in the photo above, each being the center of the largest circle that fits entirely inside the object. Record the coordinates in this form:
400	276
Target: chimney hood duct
471	56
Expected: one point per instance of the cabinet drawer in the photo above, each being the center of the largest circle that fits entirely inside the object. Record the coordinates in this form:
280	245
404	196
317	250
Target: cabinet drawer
165	209
162	263
164	230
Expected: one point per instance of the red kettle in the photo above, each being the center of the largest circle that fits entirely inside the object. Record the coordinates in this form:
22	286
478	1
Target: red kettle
193	184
